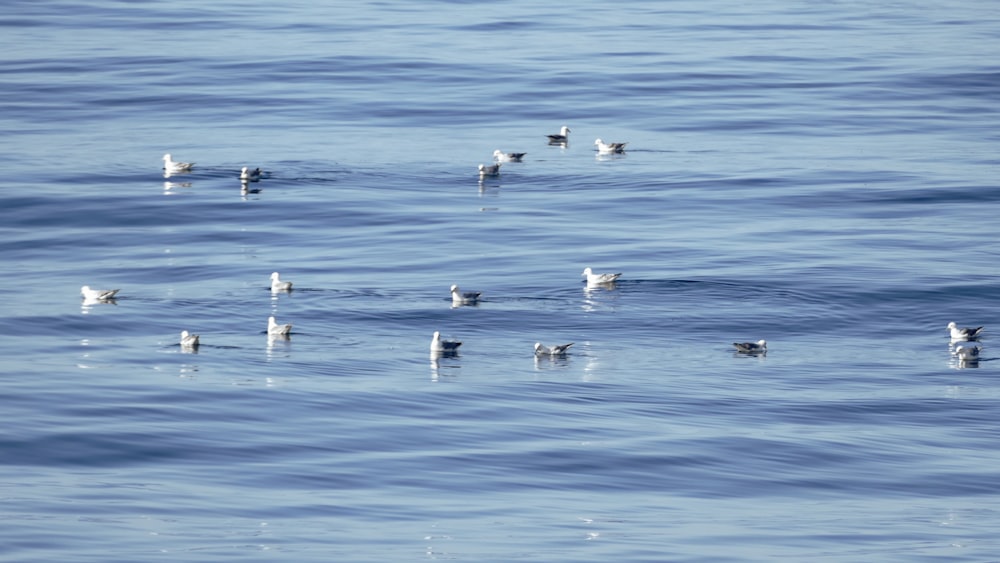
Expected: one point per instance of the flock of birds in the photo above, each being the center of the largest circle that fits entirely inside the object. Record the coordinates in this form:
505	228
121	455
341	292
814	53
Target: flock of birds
965	345
560	138
964	340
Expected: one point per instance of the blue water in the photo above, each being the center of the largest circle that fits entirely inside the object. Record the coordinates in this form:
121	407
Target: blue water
820	175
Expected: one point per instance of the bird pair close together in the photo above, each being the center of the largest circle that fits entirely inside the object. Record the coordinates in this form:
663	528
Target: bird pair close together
439	345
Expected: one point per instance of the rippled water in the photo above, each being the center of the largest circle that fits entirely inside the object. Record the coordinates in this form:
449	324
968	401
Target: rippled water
821	175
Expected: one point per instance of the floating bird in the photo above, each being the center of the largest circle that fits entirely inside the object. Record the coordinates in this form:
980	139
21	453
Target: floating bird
278	285
964	333
557	350
759	347
609	148
501	156
98	294
170	166
247	175
438	345
189	340
274	329
464	298
968	351
562	137
491	170
596	279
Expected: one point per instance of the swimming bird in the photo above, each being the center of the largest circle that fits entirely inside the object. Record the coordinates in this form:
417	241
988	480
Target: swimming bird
562	137
491	170
247	175
278	285
595	279
98	294
964	333
968	351
501	156
274	329
759	347
557	350
189	340
459	297
438	345
609	148
170	166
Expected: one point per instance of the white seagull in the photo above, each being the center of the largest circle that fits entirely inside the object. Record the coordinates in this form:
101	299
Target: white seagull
189	340
964	333
609	148
562	137
459	297
968	351
491	170
557	350
98	294
170	166
247	175
501	156
597	279
274	329
438	345
759	347
278	285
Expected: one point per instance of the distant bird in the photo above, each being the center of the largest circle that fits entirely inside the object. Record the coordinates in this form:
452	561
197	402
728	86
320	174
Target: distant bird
501	156
98	294
170	166
188	340
964	333
609	148
274	329
759	347
557	350
562	137
247	175
491	170
597	279
459	297
438	345
278	285
968	351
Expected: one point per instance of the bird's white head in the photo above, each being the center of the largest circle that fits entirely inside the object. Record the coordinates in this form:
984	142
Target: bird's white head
952	325
274	276
454	288
762	343
564	130
587	271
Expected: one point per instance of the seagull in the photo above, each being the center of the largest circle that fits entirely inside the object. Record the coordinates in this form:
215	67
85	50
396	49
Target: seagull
501	156
964	333
188	340
557	350
170	166
247	175
595	279
562	137
438	345
464	298
278	285
98	294
491	170
609	148
274	329
968	351
759	347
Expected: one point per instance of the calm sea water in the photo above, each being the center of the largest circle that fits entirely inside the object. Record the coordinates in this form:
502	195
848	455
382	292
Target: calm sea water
820	175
